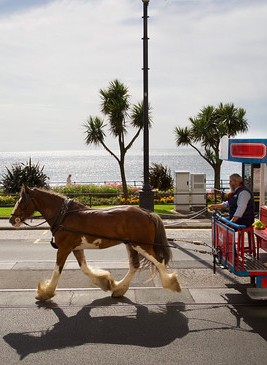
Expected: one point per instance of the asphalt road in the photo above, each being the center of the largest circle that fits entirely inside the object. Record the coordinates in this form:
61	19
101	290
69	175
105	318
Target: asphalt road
211	321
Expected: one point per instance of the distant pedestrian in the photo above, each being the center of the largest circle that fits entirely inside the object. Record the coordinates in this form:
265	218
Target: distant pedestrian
69	182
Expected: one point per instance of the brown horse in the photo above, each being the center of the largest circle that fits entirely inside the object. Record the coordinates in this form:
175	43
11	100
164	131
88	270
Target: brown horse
76	228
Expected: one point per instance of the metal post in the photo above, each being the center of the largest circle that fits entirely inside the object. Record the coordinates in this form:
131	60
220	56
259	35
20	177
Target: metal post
146	196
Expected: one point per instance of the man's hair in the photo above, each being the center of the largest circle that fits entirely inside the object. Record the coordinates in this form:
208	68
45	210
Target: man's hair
236	177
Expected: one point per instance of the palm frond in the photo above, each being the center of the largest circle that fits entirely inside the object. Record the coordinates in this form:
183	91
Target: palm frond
94	131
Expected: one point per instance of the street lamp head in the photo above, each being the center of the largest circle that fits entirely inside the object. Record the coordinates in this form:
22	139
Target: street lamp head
145	1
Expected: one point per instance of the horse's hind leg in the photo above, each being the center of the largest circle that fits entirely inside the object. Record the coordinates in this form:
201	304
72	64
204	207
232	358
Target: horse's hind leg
168	280
121	287
46	289
100	278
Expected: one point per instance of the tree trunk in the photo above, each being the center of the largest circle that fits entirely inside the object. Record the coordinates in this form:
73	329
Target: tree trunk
217	177
217	180
123	178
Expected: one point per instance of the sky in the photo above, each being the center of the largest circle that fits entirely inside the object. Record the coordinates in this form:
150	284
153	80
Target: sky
56	55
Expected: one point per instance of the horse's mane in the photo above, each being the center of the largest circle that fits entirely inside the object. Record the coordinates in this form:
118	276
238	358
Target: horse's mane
51	192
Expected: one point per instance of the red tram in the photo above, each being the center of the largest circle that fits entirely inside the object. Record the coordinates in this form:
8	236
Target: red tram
243	251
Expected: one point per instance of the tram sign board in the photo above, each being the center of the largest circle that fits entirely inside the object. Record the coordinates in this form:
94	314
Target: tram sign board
244	150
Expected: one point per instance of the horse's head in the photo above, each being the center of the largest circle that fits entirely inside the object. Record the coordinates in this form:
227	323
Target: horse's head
24	208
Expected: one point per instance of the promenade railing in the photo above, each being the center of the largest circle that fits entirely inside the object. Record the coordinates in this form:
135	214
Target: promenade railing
109	198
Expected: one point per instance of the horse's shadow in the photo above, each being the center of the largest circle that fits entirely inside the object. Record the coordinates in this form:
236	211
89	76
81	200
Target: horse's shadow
145	328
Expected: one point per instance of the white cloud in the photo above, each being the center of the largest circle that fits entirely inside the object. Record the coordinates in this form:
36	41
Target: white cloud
56	56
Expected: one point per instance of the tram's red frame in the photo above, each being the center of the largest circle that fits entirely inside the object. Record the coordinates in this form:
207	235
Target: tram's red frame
237	249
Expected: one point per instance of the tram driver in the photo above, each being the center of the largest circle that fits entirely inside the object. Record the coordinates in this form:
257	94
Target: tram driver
240	202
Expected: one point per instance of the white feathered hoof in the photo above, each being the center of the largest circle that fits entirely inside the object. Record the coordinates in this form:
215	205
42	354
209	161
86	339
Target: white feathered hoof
119	292
173	283
168	280
103	279
44	292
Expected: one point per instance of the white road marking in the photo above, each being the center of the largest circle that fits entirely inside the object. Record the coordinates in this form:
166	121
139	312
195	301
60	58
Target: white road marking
39	239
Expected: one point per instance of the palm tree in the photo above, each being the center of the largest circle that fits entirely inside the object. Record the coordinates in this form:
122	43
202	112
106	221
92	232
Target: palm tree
207	129
115	105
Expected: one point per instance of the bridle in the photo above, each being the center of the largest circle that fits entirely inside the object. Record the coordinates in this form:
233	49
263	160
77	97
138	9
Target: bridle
28	198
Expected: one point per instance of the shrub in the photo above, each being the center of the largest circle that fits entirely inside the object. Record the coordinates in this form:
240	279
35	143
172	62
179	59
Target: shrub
101	190
7	200
109	194
160	177
92	194
20	173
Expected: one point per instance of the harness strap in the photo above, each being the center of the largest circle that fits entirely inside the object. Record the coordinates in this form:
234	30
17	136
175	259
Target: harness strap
74	230
55	225
118	239
34	226
68	229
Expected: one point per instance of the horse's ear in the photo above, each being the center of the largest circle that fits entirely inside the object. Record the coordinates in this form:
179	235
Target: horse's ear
28	190
25	188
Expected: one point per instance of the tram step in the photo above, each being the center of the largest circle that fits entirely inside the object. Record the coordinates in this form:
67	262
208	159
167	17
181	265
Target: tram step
257	293
251	264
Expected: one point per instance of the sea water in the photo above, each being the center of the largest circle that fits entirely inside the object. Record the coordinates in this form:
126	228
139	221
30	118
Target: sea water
98	166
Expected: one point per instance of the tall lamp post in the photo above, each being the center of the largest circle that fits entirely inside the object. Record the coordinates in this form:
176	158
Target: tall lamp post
146	196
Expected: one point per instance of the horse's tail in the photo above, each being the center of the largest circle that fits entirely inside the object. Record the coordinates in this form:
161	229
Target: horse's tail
161	245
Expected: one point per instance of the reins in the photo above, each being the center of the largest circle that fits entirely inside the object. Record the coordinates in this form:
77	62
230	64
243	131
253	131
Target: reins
116	239
171	242
35	225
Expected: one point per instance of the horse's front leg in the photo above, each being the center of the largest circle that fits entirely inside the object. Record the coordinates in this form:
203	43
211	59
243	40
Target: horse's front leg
101	278
47	288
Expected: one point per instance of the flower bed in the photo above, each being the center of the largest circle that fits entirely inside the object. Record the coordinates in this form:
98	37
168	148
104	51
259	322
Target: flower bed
98	195
8	200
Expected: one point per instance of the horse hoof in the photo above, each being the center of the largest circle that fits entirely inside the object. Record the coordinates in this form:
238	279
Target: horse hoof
44	297
41	299
42	293
174	284
116	295
119	292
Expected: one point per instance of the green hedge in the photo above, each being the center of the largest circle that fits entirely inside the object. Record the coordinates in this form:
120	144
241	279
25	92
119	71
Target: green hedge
97	195
109	194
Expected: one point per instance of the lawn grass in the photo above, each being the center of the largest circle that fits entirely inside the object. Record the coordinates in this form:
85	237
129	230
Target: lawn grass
164	208
158	208
5	211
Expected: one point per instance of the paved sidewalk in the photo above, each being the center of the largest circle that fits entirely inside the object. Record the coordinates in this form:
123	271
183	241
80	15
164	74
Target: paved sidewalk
138	295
